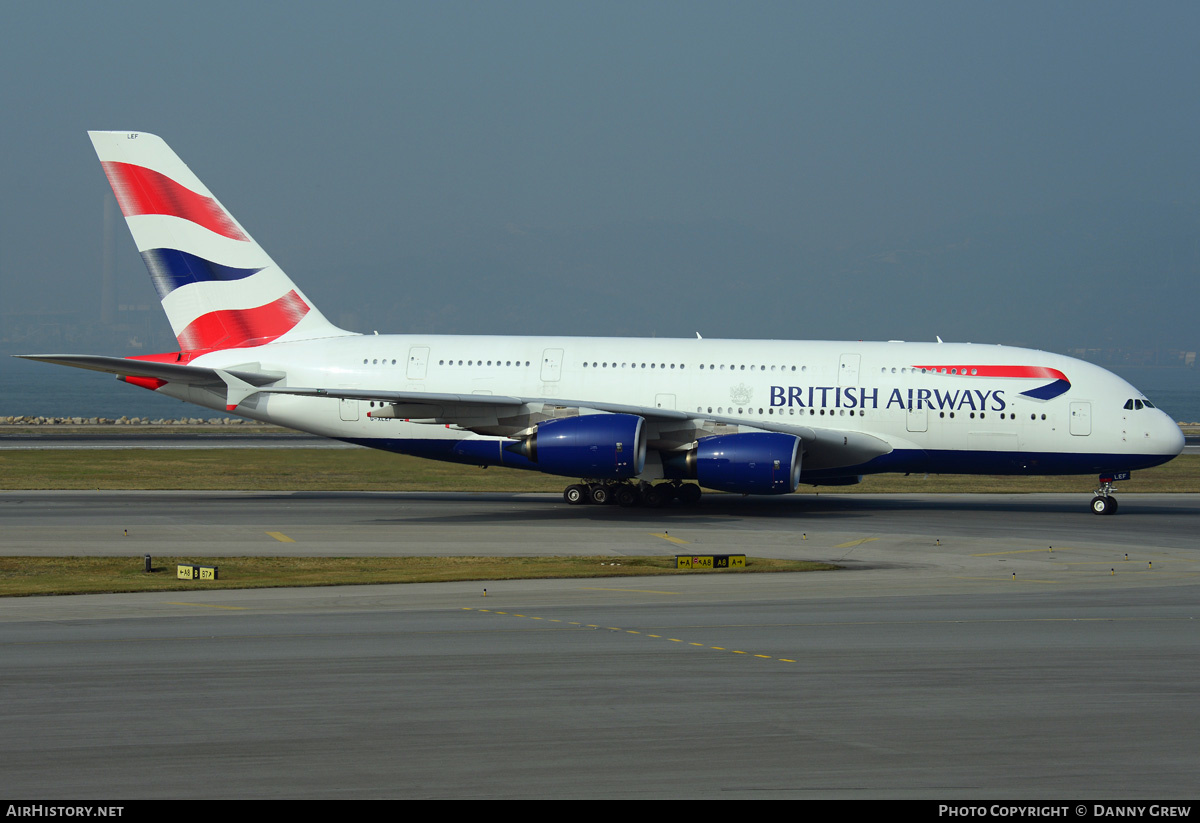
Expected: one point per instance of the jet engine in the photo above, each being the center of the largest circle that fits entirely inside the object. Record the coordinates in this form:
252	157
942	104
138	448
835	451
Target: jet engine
599	446
750	463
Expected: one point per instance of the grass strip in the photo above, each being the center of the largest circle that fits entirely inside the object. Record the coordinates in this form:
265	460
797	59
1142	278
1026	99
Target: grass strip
25	576
370	470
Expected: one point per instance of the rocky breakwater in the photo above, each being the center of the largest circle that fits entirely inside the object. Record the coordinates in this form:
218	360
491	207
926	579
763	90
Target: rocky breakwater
30	420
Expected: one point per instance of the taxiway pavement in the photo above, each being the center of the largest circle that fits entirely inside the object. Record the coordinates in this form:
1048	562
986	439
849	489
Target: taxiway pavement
957	656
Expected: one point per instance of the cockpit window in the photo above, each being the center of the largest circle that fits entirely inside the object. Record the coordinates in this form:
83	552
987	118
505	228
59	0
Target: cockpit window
1137	404
1129	403
1149	405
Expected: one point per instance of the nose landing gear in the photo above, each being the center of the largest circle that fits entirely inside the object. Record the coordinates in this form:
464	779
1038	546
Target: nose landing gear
1104	502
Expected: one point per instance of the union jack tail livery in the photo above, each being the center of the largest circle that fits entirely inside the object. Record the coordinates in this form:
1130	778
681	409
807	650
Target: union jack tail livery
219	288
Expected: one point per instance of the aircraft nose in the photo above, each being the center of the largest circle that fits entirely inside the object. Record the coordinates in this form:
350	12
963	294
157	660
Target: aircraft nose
1170	436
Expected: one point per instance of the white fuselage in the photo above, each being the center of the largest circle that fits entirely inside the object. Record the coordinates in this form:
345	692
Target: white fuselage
941	407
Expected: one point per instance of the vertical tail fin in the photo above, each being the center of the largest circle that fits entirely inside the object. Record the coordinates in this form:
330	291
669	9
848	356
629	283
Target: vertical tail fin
220	290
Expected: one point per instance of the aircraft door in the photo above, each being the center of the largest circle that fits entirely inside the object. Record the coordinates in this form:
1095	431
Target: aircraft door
848	370
347	409
418	358
551	365
917	420
1081	419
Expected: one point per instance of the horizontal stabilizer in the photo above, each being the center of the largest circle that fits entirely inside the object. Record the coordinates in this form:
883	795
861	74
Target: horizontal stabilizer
168	372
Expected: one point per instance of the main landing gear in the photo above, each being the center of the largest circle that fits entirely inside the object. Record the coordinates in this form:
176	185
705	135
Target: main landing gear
632	494
1104	502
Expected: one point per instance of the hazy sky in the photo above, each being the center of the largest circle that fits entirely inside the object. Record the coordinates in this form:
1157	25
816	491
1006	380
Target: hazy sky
997	172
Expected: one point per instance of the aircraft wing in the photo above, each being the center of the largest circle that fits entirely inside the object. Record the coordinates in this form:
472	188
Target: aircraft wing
490	414
670	429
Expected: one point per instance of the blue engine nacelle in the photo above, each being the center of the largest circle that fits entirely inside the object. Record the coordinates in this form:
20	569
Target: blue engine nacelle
599	446
751	463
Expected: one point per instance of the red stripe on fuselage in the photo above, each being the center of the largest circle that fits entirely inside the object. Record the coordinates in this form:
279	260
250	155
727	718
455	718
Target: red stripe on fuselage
143	191
239	328
999	371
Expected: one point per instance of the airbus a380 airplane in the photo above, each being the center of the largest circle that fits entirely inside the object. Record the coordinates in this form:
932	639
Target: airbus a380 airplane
748	416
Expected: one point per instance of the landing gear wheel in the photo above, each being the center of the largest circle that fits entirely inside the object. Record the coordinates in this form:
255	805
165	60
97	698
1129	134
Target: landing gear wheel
575	494
689	494
657	496
627	496
1103	505
599	494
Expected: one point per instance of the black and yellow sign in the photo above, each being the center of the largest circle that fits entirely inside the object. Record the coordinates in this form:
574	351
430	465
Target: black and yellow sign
708	562
188	572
